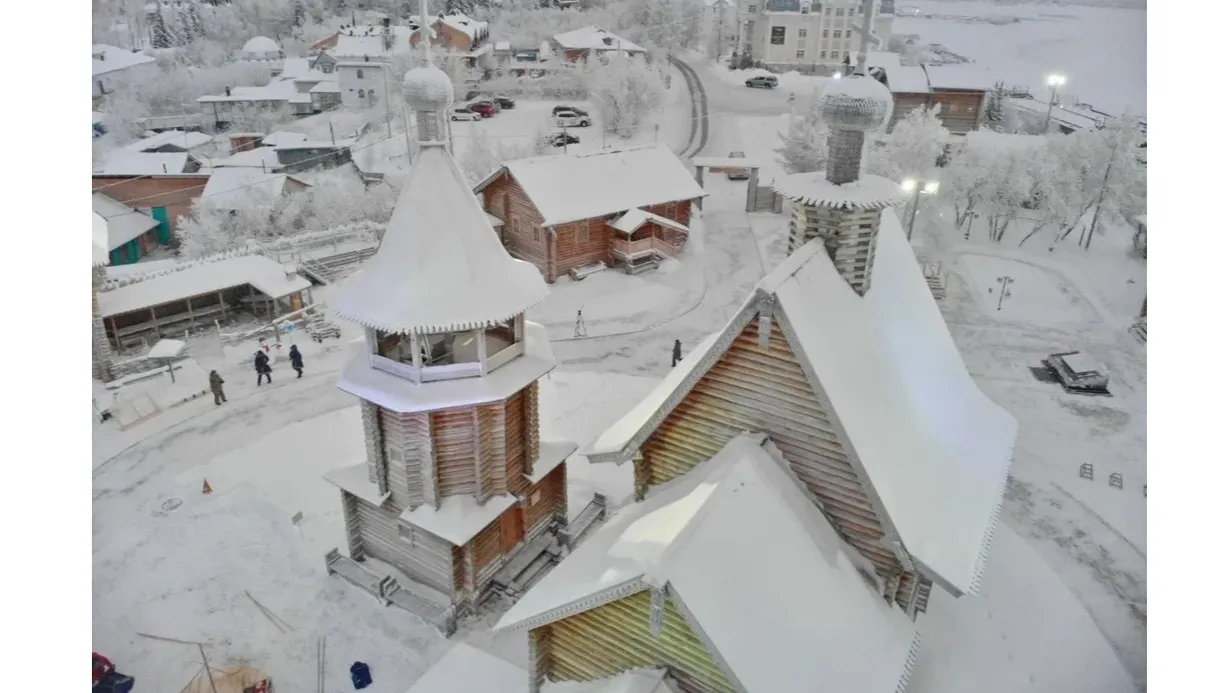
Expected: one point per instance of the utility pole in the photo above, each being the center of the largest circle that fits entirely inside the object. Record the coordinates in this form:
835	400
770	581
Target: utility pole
1103	188
718	32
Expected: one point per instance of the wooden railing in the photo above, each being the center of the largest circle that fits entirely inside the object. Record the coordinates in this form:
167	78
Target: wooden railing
632	248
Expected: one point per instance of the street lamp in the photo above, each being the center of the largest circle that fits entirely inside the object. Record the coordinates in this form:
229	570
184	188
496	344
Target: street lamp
1005	289
1053	82
914	187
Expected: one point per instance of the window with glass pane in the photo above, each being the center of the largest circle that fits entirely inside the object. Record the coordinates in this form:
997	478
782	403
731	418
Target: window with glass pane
394	346
500	337
448	348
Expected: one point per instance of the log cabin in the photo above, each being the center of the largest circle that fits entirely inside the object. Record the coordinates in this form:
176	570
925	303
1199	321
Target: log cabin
456	482
960	90
627	207
657	588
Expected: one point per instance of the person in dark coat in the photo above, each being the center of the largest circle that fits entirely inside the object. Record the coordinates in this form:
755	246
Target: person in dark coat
297	362
263	368
216	382
676	357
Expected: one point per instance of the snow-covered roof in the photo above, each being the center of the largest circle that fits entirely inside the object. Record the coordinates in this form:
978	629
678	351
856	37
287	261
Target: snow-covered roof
265	275
1081	363
236	187
633	219
884	362
991	140
440	266
594	38
741	529
279	90
258	157
905	79
293	68
569	187
330	87
261	45
167	349
459	518
396	394
462	24
184	139
123	222
122	163
868	192
108	59
360	41
99	240
967	77
282	137
465	668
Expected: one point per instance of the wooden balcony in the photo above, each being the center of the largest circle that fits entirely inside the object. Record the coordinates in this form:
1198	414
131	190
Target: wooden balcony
626	249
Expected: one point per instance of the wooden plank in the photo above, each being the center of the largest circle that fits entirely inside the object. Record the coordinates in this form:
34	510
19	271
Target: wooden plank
423	557
453	446
614	638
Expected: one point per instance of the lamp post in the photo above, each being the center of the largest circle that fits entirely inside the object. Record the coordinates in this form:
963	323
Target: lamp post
916	188
1053	81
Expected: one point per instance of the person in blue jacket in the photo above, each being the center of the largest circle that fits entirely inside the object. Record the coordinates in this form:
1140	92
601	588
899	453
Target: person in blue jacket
261	362
297	361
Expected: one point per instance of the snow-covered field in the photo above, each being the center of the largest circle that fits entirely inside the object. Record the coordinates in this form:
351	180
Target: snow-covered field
1101	50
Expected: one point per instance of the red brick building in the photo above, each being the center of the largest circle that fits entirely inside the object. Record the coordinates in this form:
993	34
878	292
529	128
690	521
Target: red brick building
627	207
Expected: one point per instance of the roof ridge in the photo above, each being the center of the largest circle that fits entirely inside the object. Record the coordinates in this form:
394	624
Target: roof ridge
793	263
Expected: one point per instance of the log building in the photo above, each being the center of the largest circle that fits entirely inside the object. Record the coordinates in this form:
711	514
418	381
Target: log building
836	395
628	207
456	479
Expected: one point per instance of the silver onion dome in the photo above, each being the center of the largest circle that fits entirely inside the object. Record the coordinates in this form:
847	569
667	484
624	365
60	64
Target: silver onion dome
427	88
857	103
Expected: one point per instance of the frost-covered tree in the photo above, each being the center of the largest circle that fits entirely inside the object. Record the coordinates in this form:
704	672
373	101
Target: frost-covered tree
1113	180
912	148
629	91
482	155
967	182
803	146
994	108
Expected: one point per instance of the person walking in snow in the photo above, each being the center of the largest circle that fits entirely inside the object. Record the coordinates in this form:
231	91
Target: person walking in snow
261	362
676	357
297	362
216	382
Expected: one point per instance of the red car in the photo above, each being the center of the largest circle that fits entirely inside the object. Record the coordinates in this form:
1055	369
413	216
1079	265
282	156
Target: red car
484	109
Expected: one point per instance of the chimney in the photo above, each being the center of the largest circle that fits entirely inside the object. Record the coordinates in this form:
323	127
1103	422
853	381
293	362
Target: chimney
385	22
607	40
228	90
291	270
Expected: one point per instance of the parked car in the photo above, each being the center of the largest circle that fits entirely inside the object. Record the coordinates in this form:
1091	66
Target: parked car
737	173
557	110
483	108
464	113
572	119
504	102
762	82
560	139
471	94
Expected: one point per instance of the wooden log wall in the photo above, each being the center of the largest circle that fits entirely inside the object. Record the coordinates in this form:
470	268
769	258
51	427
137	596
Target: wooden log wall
454	435
408	447
423	557
960	110
370	419
487	552
506	199
551	492
530	414
493	445
516	463
583	243
614	638
351	522
751	389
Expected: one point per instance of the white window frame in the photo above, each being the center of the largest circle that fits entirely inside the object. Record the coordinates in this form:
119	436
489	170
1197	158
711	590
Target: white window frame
359	73
800	54
536	496
582	234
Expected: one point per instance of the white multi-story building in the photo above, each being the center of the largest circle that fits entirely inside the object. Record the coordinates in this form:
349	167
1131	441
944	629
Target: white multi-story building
806	35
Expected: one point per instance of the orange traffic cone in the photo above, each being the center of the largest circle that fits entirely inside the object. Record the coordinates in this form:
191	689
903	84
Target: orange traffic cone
205	487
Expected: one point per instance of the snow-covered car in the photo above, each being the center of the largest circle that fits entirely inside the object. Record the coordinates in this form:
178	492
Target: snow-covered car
762	82
560	139
572	119
464	113
504	102
737	173
557	110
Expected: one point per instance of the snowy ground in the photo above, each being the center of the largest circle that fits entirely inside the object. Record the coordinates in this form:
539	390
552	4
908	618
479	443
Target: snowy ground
1102	50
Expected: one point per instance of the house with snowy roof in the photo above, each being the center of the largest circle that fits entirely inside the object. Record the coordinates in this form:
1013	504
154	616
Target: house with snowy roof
261	48
171	142
460	36
458	496
628	207
581	44
960	90
111	67
131	234
238	187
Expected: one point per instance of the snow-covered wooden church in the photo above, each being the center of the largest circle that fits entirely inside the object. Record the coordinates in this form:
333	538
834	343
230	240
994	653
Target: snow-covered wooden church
456	482
804	479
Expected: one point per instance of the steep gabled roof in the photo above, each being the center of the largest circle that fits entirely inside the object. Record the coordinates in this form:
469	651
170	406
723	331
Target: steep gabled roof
123	222
440	266
783	603
594	38
569	187
935	449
